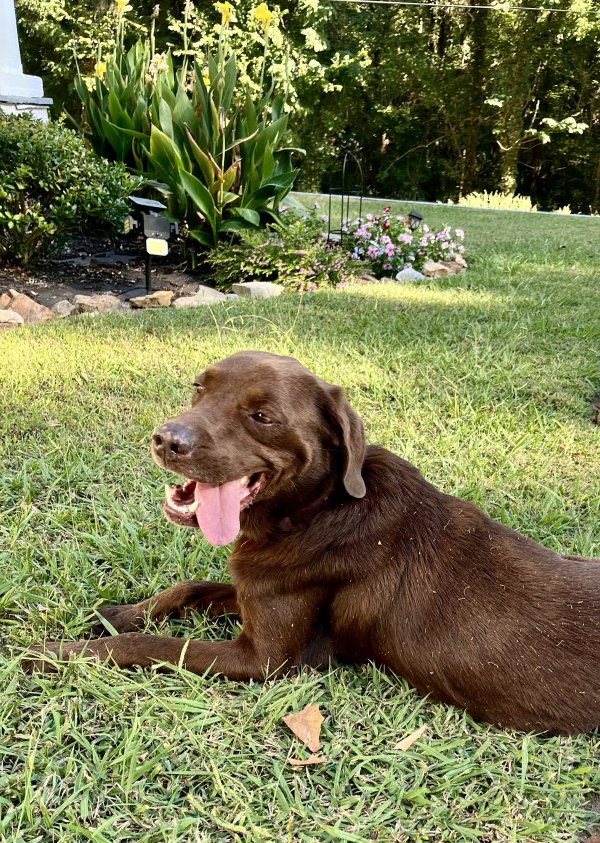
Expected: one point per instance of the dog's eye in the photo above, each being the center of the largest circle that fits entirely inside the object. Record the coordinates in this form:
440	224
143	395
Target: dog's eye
261	417
198	386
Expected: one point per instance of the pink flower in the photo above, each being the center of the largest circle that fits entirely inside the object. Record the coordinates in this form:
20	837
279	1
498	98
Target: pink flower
460	233
372	252
389	249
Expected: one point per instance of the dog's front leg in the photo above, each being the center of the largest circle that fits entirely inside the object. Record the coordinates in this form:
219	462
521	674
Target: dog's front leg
237	659
217	598
277	632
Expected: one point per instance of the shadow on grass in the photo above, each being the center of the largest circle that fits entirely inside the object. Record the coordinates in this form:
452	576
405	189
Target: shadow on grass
535	344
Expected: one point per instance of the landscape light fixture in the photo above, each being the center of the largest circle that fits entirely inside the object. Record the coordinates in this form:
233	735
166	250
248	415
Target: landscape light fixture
414	220
156	228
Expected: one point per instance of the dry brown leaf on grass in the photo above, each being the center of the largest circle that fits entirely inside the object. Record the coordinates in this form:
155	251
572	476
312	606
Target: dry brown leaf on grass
306	725
312	759
409	740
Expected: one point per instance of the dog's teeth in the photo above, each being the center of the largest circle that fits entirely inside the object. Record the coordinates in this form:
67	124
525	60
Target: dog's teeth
168	491
244	481
193	506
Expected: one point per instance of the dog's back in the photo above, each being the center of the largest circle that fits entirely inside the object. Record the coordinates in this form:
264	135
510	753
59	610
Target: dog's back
474	613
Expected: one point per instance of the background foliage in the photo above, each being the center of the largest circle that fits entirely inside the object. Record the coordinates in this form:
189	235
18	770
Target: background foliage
441	102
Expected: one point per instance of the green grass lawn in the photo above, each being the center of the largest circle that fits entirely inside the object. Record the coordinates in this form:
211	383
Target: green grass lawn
483	380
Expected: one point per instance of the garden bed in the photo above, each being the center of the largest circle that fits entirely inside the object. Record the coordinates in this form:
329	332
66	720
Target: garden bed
88	265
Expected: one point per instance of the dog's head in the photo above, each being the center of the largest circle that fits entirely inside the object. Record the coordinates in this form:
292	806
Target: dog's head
261	428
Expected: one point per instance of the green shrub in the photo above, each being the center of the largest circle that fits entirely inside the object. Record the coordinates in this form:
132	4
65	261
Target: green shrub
50	184
294	255
195	134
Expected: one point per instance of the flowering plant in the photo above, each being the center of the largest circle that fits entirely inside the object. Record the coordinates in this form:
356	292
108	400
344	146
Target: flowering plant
295	256
389	244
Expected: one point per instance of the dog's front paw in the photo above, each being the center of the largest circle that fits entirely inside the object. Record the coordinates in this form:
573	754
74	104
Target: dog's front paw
120	618
40	659
44	659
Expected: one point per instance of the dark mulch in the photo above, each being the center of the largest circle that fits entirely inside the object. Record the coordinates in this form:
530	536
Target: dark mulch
89	264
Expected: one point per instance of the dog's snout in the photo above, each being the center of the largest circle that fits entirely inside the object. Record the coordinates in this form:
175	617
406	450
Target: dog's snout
173	440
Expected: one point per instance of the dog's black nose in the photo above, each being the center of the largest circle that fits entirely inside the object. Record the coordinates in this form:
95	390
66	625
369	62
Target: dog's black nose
173	440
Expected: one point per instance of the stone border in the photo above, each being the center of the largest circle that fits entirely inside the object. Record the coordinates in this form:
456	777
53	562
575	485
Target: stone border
20	309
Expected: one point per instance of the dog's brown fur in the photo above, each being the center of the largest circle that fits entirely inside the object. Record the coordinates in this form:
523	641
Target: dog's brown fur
349	554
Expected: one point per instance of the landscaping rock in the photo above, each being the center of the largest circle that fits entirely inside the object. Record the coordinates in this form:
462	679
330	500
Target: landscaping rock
369	279
257	289
133	294
455	267
185	283
209	293
100	303
5	300
436	269
204	296
63	308
191	301
159	298
440	269
29	309
10	319
409	275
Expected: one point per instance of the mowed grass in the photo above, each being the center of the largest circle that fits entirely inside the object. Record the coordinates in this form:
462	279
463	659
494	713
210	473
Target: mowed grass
483	380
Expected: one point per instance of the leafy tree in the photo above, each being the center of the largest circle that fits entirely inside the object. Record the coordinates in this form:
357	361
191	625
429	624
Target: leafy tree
440	101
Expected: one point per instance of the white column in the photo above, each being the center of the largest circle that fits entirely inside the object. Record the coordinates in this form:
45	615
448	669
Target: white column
14	84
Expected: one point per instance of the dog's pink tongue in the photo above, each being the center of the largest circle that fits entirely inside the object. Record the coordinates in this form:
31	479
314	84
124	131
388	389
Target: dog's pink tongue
218	512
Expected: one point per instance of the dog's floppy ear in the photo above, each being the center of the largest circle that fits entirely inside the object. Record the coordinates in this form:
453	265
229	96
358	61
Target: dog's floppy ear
352	432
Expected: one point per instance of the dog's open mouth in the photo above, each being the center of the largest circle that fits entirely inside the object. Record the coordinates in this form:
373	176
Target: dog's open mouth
214	509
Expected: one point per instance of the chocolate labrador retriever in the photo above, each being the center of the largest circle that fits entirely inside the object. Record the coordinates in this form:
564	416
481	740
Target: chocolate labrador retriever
345	552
